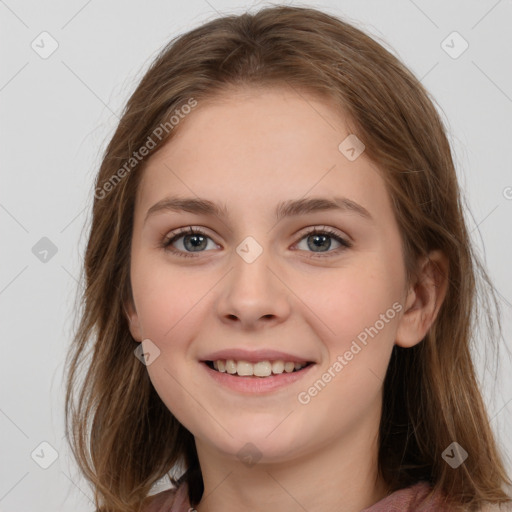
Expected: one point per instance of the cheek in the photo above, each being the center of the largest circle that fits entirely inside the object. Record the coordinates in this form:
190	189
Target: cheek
164	296
350	301
169	302
369	314
168	306
361	310
362	314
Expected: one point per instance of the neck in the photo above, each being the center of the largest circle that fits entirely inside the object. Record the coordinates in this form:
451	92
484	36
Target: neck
339	475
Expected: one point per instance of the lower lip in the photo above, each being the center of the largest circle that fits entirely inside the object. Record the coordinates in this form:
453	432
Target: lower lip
252	385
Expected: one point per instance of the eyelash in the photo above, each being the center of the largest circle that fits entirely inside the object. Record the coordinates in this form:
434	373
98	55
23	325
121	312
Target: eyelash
168	241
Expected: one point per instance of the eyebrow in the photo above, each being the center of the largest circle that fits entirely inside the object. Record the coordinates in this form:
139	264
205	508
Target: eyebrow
284	209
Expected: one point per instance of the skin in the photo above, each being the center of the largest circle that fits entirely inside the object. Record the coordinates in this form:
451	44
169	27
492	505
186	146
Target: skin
248	150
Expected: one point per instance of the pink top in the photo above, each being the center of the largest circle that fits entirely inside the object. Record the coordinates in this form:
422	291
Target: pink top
404	500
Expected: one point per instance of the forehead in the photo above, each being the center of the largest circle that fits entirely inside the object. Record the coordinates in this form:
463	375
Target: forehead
258	145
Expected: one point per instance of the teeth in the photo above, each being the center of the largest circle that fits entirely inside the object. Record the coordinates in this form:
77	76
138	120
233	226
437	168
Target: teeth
277	367
259	369
244	369
262	369
289	367
230	366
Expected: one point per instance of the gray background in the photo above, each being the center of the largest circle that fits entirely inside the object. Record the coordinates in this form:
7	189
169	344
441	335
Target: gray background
57	114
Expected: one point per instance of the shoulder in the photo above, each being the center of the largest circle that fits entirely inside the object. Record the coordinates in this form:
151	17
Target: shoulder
505	507
424	497
170	500
161	502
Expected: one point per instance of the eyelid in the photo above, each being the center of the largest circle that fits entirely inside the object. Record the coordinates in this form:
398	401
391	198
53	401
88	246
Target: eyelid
319	228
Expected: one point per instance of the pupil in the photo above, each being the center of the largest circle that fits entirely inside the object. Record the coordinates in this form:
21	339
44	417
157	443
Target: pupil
199	239
319	238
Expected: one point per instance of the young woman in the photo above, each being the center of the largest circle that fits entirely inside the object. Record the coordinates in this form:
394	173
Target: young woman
280	286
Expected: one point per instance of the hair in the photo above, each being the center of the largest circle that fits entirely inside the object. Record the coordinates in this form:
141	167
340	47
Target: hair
122	435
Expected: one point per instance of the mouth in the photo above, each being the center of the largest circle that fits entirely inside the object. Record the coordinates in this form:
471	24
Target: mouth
259	370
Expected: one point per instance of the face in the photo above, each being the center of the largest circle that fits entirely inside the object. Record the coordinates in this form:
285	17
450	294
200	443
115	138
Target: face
254	281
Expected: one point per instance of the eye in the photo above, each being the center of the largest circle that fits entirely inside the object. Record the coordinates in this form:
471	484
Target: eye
318	239
194	240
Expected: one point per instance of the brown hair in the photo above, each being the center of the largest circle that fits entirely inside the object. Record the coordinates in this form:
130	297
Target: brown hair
122	435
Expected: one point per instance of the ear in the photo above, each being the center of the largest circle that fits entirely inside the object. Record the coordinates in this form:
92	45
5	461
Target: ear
133	320
424	299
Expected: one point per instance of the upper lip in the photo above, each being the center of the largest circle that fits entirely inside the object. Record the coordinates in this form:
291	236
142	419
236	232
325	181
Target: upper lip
254	356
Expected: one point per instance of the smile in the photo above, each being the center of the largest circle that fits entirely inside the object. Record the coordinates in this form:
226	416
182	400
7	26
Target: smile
250	380
259	369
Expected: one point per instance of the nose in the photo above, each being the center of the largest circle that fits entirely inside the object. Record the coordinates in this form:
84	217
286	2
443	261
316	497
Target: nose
252	295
